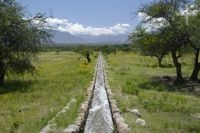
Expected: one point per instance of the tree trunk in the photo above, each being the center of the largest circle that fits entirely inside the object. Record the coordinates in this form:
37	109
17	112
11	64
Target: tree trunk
159	58
88	57
160	62
179	77
2	73
194	76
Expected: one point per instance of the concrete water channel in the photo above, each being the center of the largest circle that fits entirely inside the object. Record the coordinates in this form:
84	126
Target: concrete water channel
99	113
99	118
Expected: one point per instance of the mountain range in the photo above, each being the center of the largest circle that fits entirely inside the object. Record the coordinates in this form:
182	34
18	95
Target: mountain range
68	38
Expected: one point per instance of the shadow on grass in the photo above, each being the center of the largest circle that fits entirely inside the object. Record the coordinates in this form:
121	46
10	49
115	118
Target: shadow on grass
162	66
159	84
167	83
167	66
15	85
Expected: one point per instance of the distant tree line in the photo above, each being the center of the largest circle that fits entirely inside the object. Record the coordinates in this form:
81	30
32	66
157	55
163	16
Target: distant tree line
86	50
105	48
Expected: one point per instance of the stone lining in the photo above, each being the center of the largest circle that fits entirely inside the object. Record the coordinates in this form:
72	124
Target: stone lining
51	126
78	125
119	121
99	116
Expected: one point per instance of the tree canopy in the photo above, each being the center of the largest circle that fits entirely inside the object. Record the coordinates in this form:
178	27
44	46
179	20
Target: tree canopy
149	44
174	34
20	38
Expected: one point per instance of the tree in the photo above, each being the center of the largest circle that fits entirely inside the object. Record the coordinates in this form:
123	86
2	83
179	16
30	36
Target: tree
20	39
85	53
194	35
149	43
87	56
173	30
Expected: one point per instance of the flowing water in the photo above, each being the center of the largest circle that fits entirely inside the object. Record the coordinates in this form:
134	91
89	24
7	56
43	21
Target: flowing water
99	118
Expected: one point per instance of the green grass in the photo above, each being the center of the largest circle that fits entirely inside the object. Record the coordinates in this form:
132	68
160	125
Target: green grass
132	76
29	102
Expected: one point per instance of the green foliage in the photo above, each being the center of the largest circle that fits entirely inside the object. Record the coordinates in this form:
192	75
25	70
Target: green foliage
20	38
164	102
171	36
150	44
129	88
86	54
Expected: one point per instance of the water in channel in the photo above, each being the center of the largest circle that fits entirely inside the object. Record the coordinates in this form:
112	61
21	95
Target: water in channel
99	118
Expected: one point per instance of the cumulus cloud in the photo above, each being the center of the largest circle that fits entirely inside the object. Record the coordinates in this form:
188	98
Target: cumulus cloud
65	25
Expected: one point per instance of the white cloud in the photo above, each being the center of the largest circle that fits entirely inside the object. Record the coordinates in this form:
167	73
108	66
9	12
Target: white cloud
143	16
156	23
189	10
65	25
152	24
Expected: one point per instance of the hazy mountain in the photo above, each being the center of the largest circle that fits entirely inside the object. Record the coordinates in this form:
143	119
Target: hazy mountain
67	38
105	38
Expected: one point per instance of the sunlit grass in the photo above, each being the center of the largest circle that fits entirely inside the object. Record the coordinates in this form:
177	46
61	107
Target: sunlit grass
29	102
130	76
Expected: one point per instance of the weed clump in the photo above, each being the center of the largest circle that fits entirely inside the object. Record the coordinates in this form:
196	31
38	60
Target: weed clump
130	88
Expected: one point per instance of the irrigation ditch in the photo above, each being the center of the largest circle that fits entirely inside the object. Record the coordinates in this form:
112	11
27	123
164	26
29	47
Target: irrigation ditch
99	112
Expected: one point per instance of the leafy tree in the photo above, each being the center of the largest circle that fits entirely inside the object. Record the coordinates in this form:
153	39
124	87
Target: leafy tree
173	30
20	39
87	56
149	43
85	53
194	35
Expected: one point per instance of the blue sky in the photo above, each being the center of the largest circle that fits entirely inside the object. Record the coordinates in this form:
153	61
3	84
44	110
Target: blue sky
89	13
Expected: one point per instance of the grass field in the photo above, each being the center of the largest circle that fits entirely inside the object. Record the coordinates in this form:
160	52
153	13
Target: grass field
131	79
29	102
